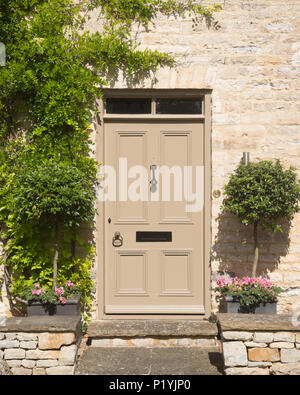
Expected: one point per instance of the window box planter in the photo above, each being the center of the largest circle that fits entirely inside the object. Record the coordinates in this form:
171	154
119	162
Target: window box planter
71	307
232	305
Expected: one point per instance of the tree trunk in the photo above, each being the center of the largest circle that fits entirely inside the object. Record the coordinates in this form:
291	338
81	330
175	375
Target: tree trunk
255	260
55	260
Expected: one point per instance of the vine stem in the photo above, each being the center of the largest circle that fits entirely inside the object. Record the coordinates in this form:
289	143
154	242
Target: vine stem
255	260
55	260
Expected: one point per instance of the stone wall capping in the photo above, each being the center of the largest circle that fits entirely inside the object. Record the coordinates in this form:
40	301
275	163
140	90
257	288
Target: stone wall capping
256	322
152	328
42	324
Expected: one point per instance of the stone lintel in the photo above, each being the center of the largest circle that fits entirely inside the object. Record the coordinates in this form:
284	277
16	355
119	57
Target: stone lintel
32	324
152	328
256	322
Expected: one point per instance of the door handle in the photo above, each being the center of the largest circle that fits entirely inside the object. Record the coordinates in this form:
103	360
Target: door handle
153	181
117	240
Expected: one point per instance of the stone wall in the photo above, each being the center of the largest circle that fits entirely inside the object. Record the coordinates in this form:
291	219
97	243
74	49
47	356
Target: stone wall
40	345
250	58
268	347
261	353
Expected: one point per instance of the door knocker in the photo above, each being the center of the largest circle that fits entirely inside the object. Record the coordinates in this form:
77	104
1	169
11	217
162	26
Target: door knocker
117	240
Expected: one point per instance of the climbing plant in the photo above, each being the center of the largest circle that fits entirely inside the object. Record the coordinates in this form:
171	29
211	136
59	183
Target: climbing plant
55	70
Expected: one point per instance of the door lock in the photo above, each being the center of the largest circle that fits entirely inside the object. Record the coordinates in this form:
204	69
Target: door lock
117	240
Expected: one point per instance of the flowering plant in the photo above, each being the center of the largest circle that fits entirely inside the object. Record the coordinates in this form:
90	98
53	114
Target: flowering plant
248	291
59	294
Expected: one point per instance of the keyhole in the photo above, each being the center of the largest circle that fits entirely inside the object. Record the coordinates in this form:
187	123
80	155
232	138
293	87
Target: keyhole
109	220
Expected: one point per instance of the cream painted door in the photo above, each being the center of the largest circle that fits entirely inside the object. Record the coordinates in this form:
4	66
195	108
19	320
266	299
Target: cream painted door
154	277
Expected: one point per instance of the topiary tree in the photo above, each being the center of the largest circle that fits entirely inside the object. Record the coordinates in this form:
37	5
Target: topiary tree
57	192
261	194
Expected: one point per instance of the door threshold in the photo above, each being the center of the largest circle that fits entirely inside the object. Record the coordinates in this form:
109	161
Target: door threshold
152	328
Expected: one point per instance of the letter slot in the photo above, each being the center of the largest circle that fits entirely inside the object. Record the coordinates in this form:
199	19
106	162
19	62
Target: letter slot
153	236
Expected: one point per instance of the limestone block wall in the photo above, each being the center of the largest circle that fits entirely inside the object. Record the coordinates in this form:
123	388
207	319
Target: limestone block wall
38	353
261	353
40	345
270	346
250	58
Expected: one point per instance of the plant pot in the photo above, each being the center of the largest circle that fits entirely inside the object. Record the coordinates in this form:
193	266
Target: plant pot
231	305
71	307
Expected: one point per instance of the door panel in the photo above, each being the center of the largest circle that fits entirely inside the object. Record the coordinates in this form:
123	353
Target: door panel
131	273
132	147
176	273
171	144
154	277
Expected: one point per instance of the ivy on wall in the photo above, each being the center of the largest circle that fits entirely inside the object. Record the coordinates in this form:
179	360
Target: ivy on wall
54	73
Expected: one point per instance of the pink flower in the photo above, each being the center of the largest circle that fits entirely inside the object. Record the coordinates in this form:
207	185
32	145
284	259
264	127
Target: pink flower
70	284
222	281
36	285
245	281
36	292
59	291
62	300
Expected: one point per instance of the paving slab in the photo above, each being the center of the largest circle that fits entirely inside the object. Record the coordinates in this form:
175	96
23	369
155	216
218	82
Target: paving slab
150	361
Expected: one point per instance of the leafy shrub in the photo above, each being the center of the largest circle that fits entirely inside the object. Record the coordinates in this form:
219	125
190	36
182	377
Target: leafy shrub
262	193
56	192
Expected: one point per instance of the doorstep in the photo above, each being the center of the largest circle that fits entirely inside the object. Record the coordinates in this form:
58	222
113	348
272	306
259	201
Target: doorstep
152	328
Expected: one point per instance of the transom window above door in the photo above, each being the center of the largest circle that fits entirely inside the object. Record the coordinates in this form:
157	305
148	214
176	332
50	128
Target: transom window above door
160	106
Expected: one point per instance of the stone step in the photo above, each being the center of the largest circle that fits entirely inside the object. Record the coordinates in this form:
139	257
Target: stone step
152	328
150	361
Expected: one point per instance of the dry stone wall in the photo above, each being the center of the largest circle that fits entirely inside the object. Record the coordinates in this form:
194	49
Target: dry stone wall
261	353
39	354
270	346
40	345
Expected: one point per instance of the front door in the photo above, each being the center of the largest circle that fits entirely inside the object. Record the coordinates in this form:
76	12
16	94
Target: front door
154	215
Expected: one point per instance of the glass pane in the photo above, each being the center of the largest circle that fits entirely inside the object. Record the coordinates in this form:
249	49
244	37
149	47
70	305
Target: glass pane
128	106
178	106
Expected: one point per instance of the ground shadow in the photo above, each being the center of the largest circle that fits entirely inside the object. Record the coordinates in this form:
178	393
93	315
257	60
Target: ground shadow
233	247
216	359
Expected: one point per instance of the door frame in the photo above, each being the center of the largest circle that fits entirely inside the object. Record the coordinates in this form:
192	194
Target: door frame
100	225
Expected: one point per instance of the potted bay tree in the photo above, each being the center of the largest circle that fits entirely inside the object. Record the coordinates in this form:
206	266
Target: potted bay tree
62	195
260	194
